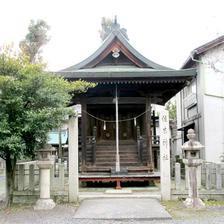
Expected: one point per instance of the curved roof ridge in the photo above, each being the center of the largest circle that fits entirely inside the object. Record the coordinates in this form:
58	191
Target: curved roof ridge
115	33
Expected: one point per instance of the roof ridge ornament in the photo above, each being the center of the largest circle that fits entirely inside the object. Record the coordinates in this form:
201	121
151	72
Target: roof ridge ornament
111	26
115	19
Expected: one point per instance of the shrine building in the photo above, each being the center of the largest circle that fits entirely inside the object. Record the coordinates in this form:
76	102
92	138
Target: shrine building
118	126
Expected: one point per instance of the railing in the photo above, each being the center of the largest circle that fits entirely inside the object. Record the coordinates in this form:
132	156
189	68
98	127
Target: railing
91	140
141	141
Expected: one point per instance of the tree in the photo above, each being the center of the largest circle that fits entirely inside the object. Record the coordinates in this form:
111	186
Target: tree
34	40
171	107
32	102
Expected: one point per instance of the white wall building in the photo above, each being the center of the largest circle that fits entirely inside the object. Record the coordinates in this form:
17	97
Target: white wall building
201	104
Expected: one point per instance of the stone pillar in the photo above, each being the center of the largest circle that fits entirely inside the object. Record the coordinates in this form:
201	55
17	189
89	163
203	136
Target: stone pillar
45	202
52	176
165	180
199	177
186	177
31	177
73	150
208	179
61	175
177	176
21	175
45	164
218	177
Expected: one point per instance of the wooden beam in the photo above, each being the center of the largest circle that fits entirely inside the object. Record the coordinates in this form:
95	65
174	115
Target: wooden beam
122	100
154	123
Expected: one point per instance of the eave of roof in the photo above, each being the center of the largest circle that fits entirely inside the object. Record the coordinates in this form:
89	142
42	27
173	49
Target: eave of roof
202	49
127	73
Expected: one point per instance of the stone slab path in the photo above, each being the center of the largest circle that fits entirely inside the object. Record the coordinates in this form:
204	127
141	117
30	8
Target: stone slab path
122	209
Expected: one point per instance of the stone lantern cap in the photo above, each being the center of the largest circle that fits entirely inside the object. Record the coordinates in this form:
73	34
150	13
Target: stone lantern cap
46	152
192	144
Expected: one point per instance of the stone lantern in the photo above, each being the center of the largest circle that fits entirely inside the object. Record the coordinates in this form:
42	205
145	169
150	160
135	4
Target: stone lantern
191	150
45	162
46	153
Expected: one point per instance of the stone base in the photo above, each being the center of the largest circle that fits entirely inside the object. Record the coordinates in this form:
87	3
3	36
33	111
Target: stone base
121	191
44	204
194	203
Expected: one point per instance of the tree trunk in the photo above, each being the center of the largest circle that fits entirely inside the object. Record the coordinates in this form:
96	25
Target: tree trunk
10	177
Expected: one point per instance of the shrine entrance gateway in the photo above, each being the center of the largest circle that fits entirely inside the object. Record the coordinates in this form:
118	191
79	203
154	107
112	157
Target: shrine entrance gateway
165	180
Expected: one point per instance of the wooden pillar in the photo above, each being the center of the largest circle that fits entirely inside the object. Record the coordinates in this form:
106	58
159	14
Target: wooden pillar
59	144
129	130
154	126
149	134
83	128
94	144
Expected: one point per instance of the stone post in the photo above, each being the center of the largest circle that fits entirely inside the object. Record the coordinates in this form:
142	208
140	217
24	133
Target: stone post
177	176
191	150
218	177
21	177
165	181
45	163
31	177
208	179
61	175
73	150
199	176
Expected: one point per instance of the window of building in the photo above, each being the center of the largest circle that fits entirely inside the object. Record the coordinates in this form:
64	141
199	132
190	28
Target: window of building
191	111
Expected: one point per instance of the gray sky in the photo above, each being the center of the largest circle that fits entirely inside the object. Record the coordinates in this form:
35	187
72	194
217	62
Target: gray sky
163	31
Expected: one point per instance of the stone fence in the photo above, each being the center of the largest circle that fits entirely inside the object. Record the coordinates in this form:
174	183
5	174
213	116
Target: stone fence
210	181
210	178
27	176
2	166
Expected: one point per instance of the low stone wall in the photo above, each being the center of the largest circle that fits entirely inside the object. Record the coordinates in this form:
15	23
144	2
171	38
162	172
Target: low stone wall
210	184
210	181
2	166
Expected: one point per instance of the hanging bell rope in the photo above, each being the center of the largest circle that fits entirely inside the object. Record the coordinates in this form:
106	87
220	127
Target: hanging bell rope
114	121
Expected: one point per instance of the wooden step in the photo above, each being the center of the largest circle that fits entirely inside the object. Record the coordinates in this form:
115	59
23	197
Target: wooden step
108	163
123	156
114	153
